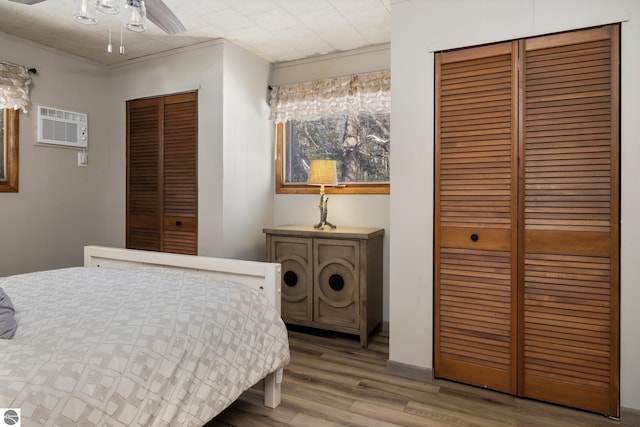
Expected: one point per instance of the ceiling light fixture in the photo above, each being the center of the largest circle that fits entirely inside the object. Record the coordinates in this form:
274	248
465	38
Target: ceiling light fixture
134	12
134	15
109	7
85	12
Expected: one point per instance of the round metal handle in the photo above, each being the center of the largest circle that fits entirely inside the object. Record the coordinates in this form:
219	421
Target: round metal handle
474	237
178	223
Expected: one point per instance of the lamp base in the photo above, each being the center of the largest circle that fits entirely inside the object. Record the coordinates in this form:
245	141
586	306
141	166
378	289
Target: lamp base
323	213
321	225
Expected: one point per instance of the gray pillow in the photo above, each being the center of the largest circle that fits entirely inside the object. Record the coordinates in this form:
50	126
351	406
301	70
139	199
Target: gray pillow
8	323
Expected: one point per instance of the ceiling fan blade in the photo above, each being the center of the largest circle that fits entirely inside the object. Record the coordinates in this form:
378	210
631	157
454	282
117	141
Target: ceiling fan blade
160	14
27	1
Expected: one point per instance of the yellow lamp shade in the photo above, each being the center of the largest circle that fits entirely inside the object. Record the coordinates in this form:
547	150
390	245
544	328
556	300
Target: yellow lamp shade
323	172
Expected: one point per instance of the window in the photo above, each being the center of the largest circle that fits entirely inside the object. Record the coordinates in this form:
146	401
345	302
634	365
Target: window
346	119
9	150
14	96
359	144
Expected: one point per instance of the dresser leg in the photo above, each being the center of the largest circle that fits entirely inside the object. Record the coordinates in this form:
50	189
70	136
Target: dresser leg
364	340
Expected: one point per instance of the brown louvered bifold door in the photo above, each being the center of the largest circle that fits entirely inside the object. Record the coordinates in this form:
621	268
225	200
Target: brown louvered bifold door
475	230
180	232
569	320
162	173
527	218
143	170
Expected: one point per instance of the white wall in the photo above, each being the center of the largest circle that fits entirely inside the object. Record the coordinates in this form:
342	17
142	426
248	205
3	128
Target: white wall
62	207
248	148
234	141
418	29
345	210
46	223
192	69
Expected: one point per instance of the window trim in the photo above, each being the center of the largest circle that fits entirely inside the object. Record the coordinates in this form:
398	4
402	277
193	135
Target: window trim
344	188
12	138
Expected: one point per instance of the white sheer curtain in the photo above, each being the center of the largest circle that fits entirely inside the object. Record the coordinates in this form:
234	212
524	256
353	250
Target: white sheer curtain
14	87
350	95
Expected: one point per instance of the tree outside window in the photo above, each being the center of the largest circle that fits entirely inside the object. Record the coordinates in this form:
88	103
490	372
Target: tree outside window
359	144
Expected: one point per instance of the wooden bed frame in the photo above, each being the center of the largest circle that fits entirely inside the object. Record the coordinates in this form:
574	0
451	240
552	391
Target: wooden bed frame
262	276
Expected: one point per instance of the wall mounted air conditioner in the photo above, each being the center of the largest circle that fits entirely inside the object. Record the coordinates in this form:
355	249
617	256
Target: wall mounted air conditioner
60	127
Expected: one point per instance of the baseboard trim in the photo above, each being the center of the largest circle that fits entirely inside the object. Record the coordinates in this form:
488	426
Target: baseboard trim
629	416
410	371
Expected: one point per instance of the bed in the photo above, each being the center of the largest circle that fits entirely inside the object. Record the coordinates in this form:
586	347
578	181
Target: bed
141	338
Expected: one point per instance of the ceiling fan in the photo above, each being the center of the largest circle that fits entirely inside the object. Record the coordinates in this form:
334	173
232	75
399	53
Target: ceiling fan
157	12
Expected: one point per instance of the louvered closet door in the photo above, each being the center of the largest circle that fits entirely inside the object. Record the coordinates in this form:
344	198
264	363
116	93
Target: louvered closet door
569	321
475	227
162	181
143	170
180	185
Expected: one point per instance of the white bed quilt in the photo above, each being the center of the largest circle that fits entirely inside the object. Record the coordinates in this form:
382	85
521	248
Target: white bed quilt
147	346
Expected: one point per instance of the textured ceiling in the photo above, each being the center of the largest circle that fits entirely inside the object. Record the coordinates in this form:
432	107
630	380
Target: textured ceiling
275	30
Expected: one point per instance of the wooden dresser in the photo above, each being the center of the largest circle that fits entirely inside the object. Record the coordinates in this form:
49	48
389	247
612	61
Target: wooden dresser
331	279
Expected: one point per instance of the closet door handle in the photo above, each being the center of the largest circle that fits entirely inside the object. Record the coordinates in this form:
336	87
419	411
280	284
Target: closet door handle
474	237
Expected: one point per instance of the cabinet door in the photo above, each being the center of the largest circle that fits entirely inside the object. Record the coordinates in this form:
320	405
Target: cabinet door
337	267
295	255
475	217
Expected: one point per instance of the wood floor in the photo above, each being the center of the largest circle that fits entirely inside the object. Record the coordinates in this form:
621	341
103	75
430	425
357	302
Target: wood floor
331	381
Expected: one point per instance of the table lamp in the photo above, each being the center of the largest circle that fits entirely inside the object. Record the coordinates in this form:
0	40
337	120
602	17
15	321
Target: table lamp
323	172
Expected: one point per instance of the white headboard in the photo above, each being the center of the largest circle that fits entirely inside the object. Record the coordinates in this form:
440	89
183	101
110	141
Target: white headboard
263	276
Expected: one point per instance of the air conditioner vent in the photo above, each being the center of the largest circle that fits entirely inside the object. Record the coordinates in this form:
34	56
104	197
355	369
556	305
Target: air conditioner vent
60	127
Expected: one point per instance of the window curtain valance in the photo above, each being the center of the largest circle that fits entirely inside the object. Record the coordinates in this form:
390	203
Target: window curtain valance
348	95
14	87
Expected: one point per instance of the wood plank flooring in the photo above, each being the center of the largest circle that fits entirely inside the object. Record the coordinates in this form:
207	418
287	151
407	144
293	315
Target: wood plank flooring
331	381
